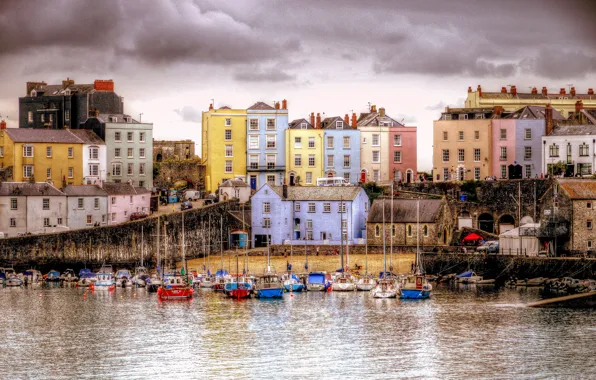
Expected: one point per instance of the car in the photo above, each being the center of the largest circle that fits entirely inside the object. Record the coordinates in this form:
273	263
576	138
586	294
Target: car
138	215
185	206
491	246
192	195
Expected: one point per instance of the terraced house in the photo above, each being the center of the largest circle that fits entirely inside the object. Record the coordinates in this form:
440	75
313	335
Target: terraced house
342	148
305	150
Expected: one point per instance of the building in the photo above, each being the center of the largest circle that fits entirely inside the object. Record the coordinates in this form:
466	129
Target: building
403	156
87	206
34	208
66	105
402	229
234	189
305	151
375	150
266	144
130	149
309	215
561	100
175	150
124	199
572	145
582	195
223	145
65	157
342	148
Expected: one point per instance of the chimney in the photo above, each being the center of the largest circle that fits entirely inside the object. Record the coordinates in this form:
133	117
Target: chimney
572	92
354	120
318	126
562	91
579	105
548	117
347	120
68	82
284	104
285	191
534	91
210	106
503	90
590	91
34	85
276	105
382	111
2	124
513	90
479	89
373	108
312	119
469	89
103	85
498	111
544	91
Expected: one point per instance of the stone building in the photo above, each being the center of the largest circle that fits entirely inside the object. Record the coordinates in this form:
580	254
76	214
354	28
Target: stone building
171	149
581	194
401	229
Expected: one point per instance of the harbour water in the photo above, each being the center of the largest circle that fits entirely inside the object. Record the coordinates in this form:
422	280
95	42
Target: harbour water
464	332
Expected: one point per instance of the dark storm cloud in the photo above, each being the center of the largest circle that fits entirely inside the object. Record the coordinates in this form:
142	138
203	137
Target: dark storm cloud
263	75
190	114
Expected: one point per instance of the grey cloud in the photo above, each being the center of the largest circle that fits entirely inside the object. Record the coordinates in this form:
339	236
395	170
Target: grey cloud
190	114
563	63
437	107
263	75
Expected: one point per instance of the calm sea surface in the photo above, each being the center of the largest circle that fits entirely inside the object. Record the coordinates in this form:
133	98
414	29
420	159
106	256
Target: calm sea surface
459	333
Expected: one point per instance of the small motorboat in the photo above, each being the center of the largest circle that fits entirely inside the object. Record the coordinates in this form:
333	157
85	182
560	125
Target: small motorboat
538	281
468	277
415	287
69	276
123	278
269	286
52	276
86	277
386	288
366	283
175	287
344	283
13	280
105	277
293	284
205	281
141	277
317	281
238	289
221	277
154	283
32	276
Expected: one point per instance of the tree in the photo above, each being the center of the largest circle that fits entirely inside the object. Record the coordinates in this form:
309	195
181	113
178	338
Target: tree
372	190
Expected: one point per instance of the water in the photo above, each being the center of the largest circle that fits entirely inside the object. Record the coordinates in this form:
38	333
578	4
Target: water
459	333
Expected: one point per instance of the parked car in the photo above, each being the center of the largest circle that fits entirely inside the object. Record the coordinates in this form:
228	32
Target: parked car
192	195
491	246
138	215
185	206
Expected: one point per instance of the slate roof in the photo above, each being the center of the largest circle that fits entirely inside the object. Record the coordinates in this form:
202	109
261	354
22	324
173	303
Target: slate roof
329	122
375	119
590	114
574	130
57	90
234	183
142	190
539	96
404	211
84	191
260	106
64	136
319	193
113	188
87	136
120	118
28	189
533	113
295	124
579	188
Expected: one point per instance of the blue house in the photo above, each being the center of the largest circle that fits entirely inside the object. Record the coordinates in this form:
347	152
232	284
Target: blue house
265	144
342	149
309	214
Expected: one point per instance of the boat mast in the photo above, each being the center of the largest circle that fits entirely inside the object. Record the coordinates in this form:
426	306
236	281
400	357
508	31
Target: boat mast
209	246
341	234
384	244
183	249
366	253
142	245
158	251
221	243
417	236
391	233
245	243
204	249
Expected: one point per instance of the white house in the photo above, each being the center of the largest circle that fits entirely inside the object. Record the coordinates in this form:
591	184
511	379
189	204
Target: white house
234	188
94	157
124	199
87	206
574	145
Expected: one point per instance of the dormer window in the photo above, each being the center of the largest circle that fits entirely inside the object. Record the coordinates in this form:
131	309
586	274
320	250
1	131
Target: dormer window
463	116
302	125
113	119
67	91
33	93
128	119
339	124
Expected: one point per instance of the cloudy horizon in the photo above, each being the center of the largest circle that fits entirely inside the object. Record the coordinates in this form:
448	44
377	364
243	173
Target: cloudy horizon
170	59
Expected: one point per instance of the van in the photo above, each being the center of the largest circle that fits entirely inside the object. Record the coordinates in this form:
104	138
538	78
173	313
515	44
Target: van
192	195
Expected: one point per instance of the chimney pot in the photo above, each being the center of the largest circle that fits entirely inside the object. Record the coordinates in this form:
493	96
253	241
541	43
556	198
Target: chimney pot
548	116
479	89
284	104
354	120
210	106
312	119
470	89
590	91
572	92
373	108
562	91
318	126
276	105
513	90
382	111
347	120
534	91
544	91
503	90
103	85
285	191
2	124
579	105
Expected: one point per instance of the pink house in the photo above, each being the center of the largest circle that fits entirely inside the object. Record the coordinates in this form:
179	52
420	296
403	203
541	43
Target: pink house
125	199
503	146
403	159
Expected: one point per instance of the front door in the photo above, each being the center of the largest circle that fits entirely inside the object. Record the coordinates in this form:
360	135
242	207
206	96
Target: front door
408	176
253	182
363	176
292	179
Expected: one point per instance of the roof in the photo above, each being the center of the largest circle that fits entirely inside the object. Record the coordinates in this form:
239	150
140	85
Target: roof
375	119
590	114
529	96
64	136
120	118
533	113
234	183
28	189
296	124
404	210
87	136
329	123
58	90
319	193
579	188
260	106
113	188
84	190
142	190
571	130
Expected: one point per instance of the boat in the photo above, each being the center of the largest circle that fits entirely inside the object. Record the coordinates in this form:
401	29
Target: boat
177	287
269	286
69	276
205	281
344	282
416	286
221	278
52	276
386	288
141	277
366	283
123	278
13	280
2	276
293	283
241	288
153	283
86	277
468	277
32	276
105	277
317	281
486	282
538	281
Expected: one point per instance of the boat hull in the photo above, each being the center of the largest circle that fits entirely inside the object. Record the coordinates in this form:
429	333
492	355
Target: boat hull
385	294
414	294
270	293
293	287
218	287
343	287
365	287
316	287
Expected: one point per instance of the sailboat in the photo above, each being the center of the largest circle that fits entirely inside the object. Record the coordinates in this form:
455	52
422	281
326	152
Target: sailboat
386	288
176	286
344	282
239	288
416	286
292	283
268	284
141	276
367	282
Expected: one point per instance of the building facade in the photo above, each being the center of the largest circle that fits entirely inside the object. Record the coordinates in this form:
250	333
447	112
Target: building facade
234	189
125	199
304	152
265	144
342	148
581	193
403	156
87	206
572	145
177	150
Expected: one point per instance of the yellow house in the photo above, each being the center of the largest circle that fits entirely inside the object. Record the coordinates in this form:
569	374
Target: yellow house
304	153
42	154
224	145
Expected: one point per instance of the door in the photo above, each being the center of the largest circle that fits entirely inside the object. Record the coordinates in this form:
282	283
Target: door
408	176
363	176
253	182
292	179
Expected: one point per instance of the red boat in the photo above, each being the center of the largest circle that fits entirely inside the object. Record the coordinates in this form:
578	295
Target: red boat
240	289
175	288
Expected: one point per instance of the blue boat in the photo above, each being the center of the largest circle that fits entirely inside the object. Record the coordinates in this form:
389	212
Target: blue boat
53	276
317	281
268	286
293	284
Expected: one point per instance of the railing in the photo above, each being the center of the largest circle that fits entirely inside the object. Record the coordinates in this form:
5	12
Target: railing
265	168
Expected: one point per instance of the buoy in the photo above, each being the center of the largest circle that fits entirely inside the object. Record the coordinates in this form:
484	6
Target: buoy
134	295
84	294
40	296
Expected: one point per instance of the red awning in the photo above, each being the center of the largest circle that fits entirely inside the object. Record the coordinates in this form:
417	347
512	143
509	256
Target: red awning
472	237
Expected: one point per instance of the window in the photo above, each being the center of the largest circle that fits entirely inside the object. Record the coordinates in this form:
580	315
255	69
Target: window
131	153
13	204
271	124
80	203
266	207
142	168
116	152
297	207
308	178
42	118
589	224
376	157
49	151
425	230
376	140
117	169
130	199
528	134
503	171
445	136
266	222
113	200
70	152
589	242
326	207
584	169
476	135
527	152
46	222
270	141
141	136
49	173
460	155
27	171
476	154
397	157
142	152
96	203
117	137
141	183
270	181
341	208
254	124
303	126
463	116
93	153
445	155
364	140
589	205
298	160
253	161
30	117
270	161
461	135
346	142
528	171
1	151
445	174
229	151
339	124
311	207
347	176
130	168
346	161
330	160
228	166
27	151
129	137
503	156
329	142
253	142
46	203
311	142
309	235
228	122
298	142
344	224
89	220
396	140
228	135
13	222
553	150
311	160
409	230
376	175
584	150
503	134
113	216
59	221
377	230
477	174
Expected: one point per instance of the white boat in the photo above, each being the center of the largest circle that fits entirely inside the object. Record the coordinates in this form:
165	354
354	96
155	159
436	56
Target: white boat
123	278
32	276
69	276
386	288
105	277
141	277
468	277
13	280
86	277
205	281
344	283
366	283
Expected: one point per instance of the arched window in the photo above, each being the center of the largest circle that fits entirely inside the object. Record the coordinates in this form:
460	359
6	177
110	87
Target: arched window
409	230
393	230
425	231
377	230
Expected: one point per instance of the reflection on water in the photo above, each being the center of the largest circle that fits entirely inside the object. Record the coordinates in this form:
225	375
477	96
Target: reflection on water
470	332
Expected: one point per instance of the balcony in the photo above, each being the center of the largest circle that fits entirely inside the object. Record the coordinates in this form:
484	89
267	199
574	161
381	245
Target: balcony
265	168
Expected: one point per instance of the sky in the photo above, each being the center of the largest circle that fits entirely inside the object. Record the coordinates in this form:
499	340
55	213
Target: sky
170	59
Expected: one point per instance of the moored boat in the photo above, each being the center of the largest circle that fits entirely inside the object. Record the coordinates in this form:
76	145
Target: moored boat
468	277
343	283
175	287
32	276
221	278
52	276
416	286
123	278
13	280
269	286
69	276
105	277
366	283
317	281
386	288
238	289
293	284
